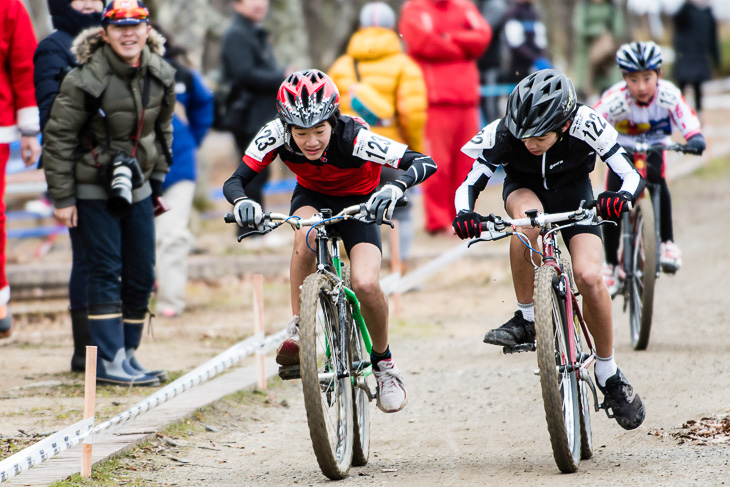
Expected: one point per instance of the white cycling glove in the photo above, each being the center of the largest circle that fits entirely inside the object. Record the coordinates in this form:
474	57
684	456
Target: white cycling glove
248	213
381	204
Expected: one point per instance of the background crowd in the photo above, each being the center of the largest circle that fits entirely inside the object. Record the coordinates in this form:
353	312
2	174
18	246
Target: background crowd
425	72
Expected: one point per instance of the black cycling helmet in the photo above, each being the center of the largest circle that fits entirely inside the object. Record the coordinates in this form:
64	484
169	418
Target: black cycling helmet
639	56
541	103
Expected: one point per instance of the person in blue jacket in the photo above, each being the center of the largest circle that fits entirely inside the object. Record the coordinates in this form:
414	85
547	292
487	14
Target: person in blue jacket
52	59
192	119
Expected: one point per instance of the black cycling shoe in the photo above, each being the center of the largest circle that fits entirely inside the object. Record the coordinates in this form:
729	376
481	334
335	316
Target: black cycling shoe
515	332
626	405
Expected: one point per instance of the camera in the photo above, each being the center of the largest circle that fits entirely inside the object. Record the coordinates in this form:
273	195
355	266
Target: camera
125	175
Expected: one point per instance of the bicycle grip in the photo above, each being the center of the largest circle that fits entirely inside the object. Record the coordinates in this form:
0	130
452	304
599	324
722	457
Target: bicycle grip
229	218
402	201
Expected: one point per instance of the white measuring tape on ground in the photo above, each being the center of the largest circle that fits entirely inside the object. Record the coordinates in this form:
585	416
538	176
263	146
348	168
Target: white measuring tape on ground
45	449
75	434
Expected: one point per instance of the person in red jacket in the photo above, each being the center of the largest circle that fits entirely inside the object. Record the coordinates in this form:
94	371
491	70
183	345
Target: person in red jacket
18	115
446	37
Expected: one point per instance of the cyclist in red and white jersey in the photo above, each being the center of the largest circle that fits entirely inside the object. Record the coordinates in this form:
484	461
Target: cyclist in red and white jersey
337	161
644	105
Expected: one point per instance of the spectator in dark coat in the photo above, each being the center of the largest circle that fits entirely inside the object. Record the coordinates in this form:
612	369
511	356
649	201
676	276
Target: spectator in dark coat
52	59
695	44
249	67
490	64
526	37
53	56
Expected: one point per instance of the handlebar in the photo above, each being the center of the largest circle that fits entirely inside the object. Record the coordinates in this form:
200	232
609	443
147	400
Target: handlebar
495	227
646	147
273	220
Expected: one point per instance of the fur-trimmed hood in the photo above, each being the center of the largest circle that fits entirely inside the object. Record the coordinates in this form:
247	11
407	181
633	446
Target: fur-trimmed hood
90	40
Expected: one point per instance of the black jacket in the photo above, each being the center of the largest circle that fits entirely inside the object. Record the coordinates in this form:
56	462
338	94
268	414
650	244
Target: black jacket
53	55
695	43
248	65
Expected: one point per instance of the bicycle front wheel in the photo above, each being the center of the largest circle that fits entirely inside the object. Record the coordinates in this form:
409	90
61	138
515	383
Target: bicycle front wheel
557	380
327	394
586	434
643	275
360	374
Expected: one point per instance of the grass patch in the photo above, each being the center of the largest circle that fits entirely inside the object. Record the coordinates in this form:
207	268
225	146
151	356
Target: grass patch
716	168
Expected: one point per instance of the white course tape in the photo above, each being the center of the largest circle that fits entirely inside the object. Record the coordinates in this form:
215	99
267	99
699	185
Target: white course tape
196	377
45	449
75	434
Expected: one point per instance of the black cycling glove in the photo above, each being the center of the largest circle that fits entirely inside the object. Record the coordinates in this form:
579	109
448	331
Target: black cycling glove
611	205
467	224
696	145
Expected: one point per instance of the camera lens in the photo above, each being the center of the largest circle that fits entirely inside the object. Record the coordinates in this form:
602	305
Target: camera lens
120	194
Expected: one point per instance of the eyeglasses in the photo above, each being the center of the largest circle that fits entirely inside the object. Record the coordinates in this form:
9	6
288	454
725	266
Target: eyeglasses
128	13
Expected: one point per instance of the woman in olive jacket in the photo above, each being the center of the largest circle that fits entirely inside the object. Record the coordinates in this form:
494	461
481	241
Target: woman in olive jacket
105	158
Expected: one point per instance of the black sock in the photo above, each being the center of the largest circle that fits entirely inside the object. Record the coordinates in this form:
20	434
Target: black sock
376	357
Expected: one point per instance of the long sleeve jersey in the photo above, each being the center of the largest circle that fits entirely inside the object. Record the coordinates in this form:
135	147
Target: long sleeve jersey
570	158
653	120
350	165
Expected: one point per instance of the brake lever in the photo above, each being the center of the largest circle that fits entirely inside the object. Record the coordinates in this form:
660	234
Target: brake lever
607	222
255	232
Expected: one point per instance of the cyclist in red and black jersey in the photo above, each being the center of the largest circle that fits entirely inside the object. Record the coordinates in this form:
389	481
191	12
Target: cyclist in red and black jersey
337	162
547	145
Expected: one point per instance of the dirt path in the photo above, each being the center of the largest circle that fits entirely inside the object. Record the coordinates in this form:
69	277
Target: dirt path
475	416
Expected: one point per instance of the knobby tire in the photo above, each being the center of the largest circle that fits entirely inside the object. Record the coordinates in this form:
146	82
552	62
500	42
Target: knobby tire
559	390
360	400
328	400
641	286
586	434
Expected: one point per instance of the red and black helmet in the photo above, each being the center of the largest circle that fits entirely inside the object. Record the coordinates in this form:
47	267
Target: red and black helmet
307	98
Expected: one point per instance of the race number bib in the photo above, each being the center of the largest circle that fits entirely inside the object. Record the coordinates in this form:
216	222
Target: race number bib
375	148
593	129
485	139
270	137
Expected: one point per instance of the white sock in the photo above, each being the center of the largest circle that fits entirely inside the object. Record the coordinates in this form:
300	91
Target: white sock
605	368
528	311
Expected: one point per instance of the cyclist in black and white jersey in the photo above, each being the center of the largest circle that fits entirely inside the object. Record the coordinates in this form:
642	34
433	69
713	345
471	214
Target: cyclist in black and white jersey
547	145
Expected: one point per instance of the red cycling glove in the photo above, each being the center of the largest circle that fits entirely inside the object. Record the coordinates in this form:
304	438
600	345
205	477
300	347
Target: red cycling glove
467	224
611	205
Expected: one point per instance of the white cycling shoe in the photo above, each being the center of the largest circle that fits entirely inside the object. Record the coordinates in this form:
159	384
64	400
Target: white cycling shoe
610	277
391	391
670	258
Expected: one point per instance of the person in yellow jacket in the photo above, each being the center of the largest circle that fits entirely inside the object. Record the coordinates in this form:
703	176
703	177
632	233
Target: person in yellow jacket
382	85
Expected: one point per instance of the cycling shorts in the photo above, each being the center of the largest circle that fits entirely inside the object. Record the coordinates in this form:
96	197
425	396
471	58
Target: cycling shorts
352	232
565	198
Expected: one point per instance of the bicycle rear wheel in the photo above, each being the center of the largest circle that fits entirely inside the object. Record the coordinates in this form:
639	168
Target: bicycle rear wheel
643	274
327	397
558	383
360	399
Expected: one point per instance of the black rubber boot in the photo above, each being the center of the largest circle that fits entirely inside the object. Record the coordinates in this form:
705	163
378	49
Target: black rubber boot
133	326
82	338
112	366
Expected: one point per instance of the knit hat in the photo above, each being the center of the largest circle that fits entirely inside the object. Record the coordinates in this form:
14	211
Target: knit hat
377	14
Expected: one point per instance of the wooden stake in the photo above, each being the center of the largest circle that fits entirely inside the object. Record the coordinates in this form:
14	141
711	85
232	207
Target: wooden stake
258	323
395	265
89	401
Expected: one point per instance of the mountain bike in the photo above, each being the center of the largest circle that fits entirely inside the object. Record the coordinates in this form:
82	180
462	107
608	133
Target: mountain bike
335	345
639	248
564	347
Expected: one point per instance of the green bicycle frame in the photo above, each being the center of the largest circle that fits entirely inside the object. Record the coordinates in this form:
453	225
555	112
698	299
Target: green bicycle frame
356	313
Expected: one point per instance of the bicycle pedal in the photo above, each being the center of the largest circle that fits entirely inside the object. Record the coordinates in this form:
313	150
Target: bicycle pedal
522	347
289	372
606	408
